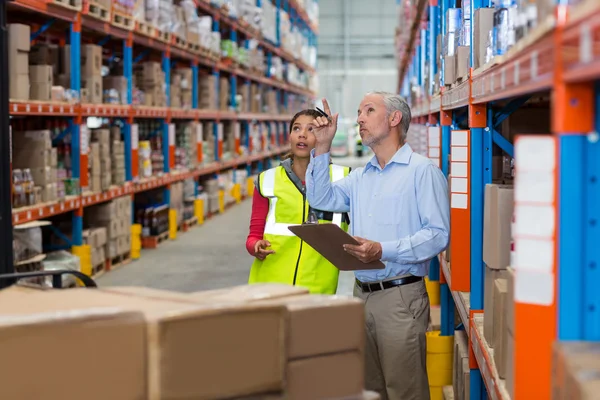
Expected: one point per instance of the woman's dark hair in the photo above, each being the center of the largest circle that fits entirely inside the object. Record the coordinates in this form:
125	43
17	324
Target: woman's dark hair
308	112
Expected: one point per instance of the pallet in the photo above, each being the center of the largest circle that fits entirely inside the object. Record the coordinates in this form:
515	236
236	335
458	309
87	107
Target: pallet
74	5
123	21
152	242
164	36
120	260
146	29
188	224
98	270
180	42
98	11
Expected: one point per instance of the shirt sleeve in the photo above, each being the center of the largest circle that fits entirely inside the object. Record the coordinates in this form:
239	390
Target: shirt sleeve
258	219
434	211
321	192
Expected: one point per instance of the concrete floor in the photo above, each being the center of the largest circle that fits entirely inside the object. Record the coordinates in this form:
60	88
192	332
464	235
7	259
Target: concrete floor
211	256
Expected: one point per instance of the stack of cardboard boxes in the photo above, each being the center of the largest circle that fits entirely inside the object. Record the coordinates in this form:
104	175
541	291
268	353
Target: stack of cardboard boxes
460	369
224	94
266	341
181	88
40	78
117	153
208	142
115	217
576	371
211	188
18	60
101	162
91	74
150	78
186	151
498	212
33	150
207	92
96	239
115	89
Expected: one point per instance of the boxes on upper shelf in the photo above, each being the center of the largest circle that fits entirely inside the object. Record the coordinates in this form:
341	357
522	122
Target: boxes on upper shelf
18	60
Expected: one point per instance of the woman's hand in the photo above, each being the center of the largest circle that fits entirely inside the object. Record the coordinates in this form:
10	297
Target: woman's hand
324	130
260	249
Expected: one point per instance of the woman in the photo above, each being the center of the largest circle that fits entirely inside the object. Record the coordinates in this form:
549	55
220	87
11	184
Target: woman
279	200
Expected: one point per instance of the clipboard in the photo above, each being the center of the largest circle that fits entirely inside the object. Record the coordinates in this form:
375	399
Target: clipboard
328	240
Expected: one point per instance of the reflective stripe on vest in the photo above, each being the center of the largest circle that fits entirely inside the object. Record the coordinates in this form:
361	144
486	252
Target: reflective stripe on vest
267	189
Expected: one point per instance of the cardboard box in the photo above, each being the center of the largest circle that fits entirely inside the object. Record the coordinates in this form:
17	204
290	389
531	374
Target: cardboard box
49	193
461	353
111	249
249	293
463	56
19	87
39	325
490	276
203	352
32	140
323	324
500	330
326	377
40	91
102	136
483	23
91	62
510	364
44	54
30	158
571	359
93	84
449	70
95	183
40	74
58	93
19	37
43	176
497	217
510	300
18	63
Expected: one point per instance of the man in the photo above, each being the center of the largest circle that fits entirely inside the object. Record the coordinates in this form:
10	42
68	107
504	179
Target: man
399	214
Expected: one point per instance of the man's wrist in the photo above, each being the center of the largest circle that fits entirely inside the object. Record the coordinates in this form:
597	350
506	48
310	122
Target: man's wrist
321	149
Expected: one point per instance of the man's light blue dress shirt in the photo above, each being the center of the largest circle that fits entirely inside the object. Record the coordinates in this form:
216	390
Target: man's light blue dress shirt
404	206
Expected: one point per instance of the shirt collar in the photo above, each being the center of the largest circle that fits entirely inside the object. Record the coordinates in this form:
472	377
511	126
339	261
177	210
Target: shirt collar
402	156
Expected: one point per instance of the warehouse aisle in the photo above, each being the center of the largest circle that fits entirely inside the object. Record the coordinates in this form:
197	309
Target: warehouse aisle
211	256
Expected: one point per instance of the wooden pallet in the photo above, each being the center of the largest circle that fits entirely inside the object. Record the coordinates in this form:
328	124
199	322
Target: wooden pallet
123	21
75	5
163	36
98	270
152	242
98	11
179	42
120	260
146	29
189	224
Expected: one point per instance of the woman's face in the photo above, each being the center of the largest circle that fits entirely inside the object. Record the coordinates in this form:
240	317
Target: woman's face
302	138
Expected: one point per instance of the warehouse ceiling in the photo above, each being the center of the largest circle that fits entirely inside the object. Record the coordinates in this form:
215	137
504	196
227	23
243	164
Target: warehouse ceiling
355	50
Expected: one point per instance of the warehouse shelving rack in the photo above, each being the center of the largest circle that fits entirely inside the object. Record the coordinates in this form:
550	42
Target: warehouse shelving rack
73	26
555	292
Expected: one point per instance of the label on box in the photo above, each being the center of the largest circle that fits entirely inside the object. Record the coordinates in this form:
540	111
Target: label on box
134	136
220	132
84	139
171	134
199	133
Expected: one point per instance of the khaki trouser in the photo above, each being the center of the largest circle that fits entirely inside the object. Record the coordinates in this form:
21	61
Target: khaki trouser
395	354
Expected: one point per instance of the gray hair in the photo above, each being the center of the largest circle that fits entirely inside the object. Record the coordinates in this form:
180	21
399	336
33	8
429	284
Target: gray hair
394	102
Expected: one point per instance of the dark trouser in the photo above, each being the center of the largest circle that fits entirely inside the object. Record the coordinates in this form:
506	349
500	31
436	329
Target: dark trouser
395	355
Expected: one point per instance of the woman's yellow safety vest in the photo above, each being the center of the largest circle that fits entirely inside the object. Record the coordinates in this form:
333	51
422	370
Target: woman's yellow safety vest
294	261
